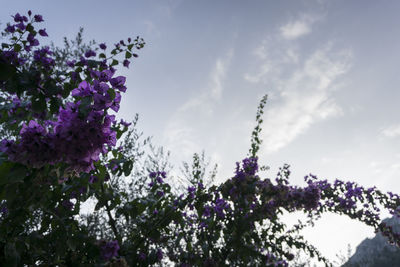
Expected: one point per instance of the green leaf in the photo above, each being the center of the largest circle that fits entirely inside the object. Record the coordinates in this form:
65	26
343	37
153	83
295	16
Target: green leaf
128	55
7	71
54	104
29	28
71	244
84	107
39	104
99	205
5	168
114	62
102	172
136	208
17	173
68	87
111	92
17	47
93	63
11	255
127	167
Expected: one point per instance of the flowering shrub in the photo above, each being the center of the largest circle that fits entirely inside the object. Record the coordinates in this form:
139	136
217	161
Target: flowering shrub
62	147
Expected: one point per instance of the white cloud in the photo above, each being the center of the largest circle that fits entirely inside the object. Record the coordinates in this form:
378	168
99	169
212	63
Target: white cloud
292	55
182	130
305	83
305	98
217	78
391	131
256	78
300	27
261	50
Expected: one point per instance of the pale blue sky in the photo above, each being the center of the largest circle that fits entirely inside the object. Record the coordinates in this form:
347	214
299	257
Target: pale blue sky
329	67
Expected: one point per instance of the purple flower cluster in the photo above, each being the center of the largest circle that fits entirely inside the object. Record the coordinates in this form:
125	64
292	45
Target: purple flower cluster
74	139
109	249
249	167
43	56
79	141
12	57
157	178
20	25
220	206
90	53
82	129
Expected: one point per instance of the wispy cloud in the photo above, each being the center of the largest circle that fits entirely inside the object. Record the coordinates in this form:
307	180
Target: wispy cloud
182	130
305	83
297	28
262	72
391	131
305	98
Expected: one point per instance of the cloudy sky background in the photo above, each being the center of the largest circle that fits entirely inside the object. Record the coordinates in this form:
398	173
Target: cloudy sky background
330	69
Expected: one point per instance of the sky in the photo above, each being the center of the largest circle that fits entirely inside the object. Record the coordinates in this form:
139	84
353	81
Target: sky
329	68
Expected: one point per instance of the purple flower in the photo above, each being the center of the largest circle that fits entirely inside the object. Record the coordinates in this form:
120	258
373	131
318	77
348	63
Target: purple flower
71	63
110	250
43	32
10	28
126	63
101	102
90	53
18	18
67	204
159	254
202	225
117	100
74	76
30	37
207	211
219	206
100	87
83	60
118	82
3	210
103	46
142	256
127	124
38	18
42	56
84	89
21	26
93	179
105	75
5	145
191	190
